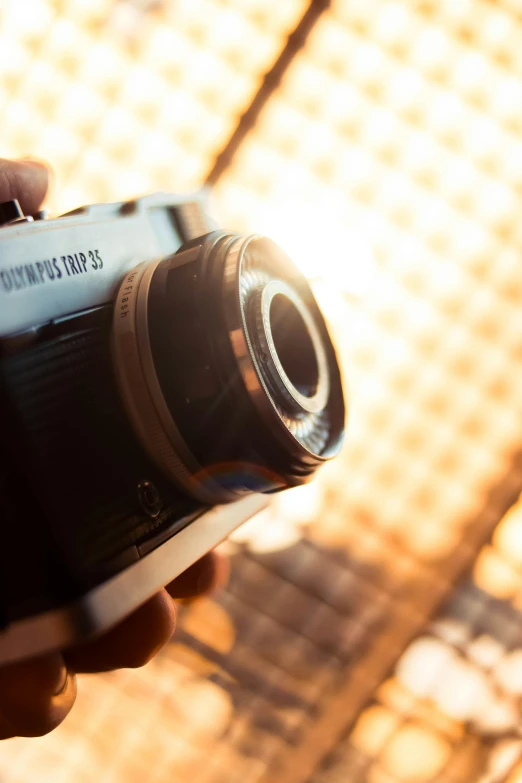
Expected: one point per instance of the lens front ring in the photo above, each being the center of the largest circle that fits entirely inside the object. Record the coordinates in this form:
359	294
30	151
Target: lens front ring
305	366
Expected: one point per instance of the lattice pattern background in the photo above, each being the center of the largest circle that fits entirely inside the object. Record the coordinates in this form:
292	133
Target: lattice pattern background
128	97
389	163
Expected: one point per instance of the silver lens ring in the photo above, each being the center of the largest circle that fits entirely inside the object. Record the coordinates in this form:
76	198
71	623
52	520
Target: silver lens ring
262	332
246	275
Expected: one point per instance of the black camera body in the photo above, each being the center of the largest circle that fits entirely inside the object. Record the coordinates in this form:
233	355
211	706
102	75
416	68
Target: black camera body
159	379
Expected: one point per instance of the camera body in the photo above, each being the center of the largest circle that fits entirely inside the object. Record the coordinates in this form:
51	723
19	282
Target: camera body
144	409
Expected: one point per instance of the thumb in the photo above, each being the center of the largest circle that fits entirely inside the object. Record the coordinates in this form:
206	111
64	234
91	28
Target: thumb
25	180
35	696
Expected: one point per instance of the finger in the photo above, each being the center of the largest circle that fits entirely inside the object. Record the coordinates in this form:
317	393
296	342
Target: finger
25	180
35	696
208	574
130	644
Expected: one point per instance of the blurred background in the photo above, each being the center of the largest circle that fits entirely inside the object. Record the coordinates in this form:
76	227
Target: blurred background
372	628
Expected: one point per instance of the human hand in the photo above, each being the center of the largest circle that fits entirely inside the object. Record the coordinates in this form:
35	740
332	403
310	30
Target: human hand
36	695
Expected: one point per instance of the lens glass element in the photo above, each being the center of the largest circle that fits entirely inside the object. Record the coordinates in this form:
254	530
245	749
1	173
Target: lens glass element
294	345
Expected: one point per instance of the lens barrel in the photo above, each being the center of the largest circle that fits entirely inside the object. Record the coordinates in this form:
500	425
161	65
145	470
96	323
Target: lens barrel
239	388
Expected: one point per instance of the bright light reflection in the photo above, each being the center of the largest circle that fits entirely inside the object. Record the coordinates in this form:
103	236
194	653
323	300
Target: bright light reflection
508	673
318	240
374	728
501	717
424	664
416	753
464	692
267	532
203	708
302	504
508	536
210	623
495	575
502	760
486	651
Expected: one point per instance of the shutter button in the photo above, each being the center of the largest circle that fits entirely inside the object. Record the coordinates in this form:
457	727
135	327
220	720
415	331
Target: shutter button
11	212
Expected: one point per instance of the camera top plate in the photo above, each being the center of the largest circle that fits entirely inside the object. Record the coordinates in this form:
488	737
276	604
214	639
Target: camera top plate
50	269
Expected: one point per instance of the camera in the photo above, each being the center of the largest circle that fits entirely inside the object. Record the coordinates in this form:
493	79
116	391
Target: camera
160	378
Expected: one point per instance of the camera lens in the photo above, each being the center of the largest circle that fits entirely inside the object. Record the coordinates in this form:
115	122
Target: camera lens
227	368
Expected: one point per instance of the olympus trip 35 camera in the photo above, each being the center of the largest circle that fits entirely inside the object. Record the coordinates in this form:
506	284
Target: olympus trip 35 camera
159	379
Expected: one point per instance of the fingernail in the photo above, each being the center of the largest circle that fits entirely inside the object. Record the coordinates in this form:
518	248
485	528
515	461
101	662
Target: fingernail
61	681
